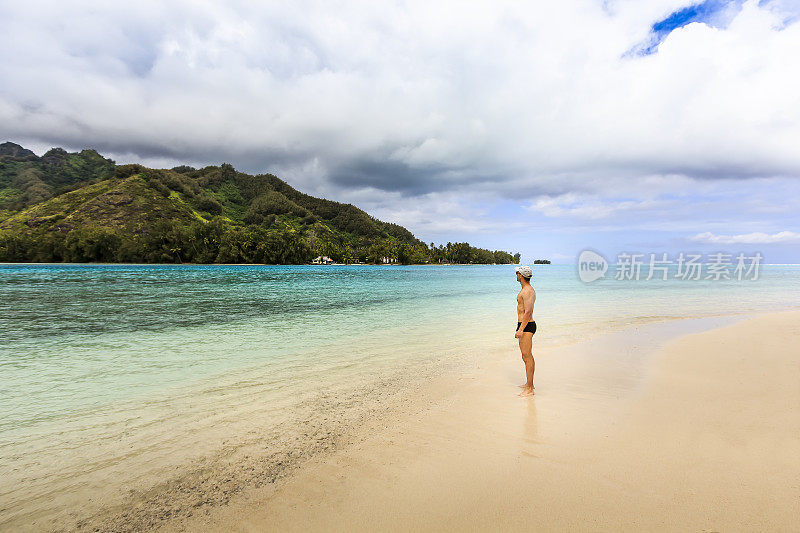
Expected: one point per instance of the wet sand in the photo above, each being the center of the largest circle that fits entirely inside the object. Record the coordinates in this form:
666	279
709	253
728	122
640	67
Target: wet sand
684	425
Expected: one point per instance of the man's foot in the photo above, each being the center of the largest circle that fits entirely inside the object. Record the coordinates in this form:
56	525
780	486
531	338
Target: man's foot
527	392
525	386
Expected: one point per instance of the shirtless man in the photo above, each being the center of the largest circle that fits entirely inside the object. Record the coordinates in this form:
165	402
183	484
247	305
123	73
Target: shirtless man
526	327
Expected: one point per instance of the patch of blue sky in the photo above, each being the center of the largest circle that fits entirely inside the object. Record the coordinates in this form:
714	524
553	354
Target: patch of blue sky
715	13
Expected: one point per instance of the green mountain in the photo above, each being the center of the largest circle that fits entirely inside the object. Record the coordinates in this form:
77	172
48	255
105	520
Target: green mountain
82	207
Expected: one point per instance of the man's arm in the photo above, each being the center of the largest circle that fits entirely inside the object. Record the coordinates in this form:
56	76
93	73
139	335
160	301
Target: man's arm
527	301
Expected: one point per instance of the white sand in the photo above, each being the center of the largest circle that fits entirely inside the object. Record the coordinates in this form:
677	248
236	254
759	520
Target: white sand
702	434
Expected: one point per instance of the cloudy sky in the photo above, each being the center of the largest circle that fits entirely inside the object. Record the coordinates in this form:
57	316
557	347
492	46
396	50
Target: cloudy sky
539	127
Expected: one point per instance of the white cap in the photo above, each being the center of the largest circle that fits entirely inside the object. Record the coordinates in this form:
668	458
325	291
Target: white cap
525	271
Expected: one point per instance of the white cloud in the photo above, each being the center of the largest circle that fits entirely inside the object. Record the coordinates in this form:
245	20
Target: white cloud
747	238
410	97
440	216
578	206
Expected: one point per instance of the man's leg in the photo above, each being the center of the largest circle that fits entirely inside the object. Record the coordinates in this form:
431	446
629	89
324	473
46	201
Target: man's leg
526	347
524	385
525	354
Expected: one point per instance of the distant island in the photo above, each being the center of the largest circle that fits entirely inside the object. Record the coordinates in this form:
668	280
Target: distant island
82	207
541	262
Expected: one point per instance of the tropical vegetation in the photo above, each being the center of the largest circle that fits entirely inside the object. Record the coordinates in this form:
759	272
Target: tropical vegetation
82	207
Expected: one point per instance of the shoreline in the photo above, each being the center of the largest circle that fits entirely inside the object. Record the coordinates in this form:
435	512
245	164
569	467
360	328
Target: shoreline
610	446
200	493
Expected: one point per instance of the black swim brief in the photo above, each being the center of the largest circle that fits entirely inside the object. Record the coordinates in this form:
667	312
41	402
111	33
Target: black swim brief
530	327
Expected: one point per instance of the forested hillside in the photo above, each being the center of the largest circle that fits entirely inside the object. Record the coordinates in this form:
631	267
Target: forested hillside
82	207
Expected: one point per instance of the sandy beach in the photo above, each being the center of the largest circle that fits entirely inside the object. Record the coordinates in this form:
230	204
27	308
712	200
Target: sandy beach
690	424
682	425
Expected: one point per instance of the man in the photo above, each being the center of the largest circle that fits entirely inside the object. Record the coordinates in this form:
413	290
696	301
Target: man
526	327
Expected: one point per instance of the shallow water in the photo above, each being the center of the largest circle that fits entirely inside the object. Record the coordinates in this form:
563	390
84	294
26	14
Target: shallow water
74	338
93	354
